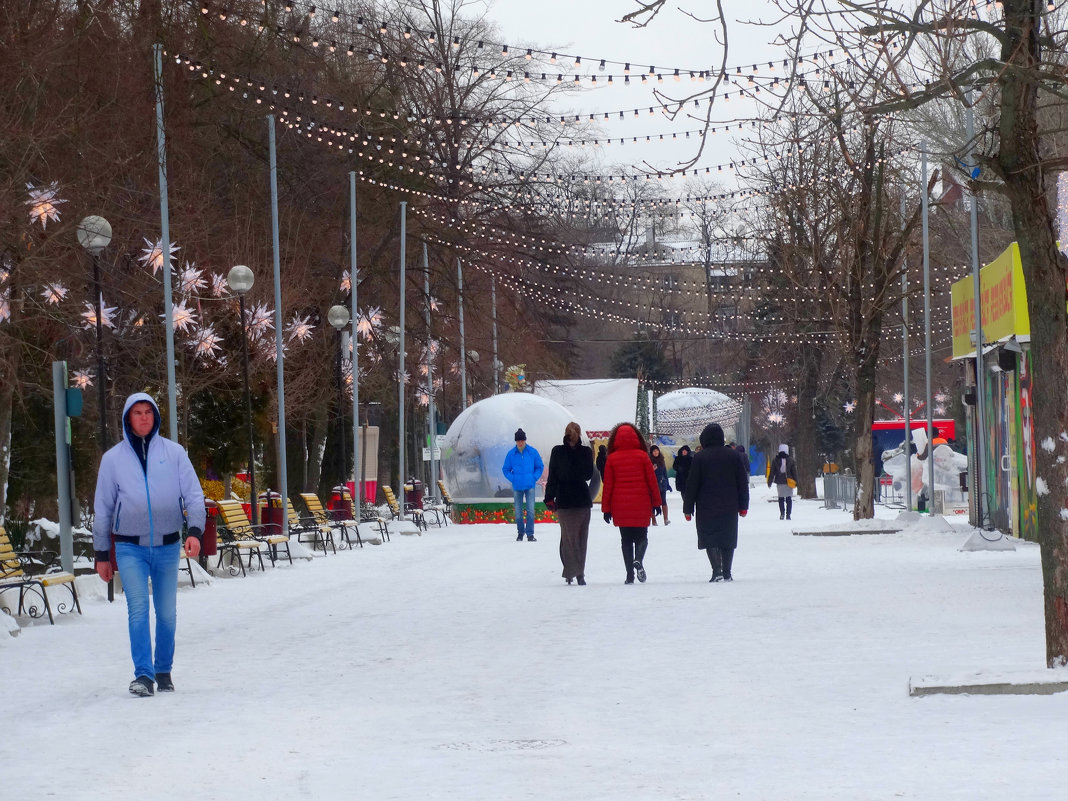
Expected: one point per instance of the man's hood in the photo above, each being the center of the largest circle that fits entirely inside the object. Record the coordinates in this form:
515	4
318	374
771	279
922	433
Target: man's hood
137	397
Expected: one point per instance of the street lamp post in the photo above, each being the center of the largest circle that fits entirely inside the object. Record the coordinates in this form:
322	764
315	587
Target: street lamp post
339	318
94	234
240	280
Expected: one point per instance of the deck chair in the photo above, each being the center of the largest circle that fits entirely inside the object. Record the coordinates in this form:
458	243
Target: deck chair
237	536
13	575
322	517
310	528
410	510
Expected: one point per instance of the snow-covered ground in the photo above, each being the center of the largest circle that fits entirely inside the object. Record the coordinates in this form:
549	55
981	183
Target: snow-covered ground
458	665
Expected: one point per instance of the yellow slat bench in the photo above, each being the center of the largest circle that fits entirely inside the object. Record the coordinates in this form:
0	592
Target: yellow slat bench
322	515
414	512
238	535
13	576
320	533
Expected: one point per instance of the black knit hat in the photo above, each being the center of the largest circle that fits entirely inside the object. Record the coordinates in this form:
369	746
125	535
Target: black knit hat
520	434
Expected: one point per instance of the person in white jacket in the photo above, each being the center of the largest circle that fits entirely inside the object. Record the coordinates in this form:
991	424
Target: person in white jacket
146	490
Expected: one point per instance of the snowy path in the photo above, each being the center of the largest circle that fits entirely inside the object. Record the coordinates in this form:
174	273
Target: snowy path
458	665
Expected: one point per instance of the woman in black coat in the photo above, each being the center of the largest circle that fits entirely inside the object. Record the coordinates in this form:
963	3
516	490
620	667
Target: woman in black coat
683	460
660	471
718	487
567	492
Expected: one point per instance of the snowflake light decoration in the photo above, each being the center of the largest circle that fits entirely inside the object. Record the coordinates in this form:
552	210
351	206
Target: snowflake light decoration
206	342
850	406
152	256
5	305
422	397
402	378
369	322
898	397
219	287
43	203
54	293
190	279
346	282
940	409
82	379
182	315
773	404
434	304
300	329
941	396
107	314
260	319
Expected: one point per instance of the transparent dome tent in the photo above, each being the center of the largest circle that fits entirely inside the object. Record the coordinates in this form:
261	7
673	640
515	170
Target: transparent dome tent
682	414
479	439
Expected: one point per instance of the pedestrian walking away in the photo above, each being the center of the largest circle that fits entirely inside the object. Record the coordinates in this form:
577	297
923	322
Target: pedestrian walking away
718	490
567	492
523	467
783	474
660	471
602	456
146	493
629	495
683	460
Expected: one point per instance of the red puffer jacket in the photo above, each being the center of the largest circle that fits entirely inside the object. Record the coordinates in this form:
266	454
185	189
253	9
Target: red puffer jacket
630	488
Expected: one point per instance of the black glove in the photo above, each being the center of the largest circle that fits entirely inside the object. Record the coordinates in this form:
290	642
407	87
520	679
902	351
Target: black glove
608	517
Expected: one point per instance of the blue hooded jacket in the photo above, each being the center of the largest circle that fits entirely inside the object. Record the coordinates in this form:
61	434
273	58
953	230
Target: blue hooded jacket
142	485
523	469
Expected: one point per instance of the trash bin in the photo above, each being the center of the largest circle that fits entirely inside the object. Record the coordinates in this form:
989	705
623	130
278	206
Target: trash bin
340	505
209	541
413	493
271	512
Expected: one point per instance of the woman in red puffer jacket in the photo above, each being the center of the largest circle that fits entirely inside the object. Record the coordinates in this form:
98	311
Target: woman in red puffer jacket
630	493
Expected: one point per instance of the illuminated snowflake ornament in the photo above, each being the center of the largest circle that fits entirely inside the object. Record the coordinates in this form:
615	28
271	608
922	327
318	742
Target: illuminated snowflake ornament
190	279
369	322
44	204
54	293
107	314
5	305
850	406
346	282
219	287
82	379
260	320
300	329
898	397
152	256
182	315
206	342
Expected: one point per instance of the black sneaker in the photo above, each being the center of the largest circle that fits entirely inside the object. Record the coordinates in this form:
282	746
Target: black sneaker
531	538
630	580
164	683
639	571
142	686
716	576
520	537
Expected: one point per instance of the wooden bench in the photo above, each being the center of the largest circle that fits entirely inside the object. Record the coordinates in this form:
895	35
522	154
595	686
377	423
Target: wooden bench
321	533
348	526
410	510
13	576
445	507
238	536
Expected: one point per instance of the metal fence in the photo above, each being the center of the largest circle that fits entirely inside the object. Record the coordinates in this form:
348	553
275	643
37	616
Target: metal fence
839	491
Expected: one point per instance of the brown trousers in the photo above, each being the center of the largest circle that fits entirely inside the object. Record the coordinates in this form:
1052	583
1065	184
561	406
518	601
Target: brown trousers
574	534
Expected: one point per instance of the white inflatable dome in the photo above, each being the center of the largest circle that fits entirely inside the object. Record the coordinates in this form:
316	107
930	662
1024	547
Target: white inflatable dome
683	413
479	439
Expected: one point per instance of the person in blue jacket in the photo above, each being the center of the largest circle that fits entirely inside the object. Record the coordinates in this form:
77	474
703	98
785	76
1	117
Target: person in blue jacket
523	467
146	490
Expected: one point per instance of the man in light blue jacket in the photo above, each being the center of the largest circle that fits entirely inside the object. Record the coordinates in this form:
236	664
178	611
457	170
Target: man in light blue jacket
523	467
146	490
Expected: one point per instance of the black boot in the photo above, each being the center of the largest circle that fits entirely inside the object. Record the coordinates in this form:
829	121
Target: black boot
726	555
716	561
789	506
628	560
782	508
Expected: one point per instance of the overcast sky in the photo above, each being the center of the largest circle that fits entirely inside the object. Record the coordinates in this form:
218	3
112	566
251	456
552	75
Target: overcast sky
589	28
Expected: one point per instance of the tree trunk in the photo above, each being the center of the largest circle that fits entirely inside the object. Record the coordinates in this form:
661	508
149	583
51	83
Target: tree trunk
316	449
864	506
7	396
805	437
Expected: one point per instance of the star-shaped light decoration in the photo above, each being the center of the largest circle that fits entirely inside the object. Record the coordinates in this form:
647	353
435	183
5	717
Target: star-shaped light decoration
190	279
219	287
434	304
941	396
107	314
5	305
369	322
152	256
423	369
454	368
182	315
402	378
346	282
54	293
43	203
422	397
775	418
82	379
300	329
206	342
260	319
898	397
850	406
940	409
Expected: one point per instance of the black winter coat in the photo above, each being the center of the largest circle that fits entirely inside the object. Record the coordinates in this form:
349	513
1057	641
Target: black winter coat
683	461
718	488
570	470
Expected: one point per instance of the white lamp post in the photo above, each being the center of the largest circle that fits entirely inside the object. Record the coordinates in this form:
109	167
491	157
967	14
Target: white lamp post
94	234
338	316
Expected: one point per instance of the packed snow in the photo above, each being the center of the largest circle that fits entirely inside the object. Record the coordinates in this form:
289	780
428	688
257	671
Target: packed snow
459	665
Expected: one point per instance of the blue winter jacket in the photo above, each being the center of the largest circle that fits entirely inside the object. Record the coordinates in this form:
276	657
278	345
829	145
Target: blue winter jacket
144	501
523	469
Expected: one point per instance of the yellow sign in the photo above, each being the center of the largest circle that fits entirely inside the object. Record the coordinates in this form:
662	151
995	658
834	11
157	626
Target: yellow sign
1004	308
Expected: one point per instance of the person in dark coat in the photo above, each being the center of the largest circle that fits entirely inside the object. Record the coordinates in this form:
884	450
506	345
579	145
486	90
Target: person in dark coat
683	460
629	495
602	457
567	492
718	488
745	457
660	471
781	473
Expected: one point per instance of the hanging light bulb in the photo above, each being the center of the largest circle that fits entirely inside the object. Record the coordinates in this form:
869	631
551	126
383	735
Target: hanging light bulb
578	62
677	76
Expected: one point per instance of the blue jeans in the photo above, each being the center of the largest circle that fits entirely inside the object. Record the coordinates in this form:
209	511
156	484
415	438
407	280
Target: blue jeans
137	564
524	499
